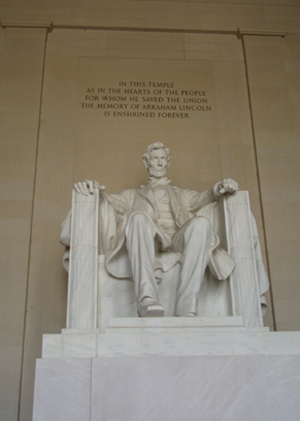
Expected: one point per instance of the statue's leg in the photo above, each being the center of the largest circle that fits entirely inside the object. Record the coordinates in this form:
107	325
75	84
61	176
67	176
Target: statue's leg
193	240
140	233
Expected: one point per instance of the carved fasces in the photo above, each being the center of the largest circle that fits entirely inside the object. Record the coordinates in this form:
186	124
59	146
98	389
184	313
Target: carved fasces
244	278
82	289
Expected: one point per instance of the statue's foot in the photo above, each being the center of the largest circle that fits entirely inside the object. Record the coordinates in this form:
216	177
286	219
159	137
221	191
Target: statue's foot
190	314
153	310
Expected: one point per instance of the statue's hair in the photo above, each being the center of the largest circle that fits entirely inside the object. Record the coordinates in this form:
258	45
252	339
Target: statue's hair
154	146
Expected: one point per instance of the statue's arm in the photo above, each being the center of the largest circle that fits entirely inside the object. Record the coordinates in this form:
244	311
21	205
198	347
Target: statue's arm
197	200
118	201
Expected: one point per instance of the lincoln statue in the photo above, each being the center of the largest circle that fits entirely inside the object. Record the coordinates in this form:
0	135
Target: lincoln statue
158	217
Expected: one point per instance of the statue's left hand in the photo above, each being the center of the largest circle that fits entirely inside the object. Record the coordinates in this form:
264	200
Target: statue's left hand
87	187
227	186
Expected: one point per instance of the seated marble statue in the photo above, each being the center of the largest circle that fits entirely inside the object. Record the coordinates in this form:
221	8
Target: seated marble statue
158	217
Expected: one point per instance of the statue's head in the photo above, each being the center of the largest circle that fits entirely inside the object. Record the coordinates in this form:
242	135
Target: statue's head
157	159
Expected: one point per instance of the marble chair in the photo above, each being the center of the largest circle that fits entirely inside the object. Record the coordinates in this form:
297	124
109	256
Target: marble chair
94	296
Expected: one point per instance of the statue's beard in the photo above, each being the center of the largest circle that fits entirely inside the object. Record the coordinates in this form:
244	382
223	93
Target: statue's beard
156	173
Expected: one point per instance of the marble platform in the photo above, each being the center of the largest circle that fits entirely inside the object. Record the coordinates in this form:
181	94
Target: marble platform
164	369
170	337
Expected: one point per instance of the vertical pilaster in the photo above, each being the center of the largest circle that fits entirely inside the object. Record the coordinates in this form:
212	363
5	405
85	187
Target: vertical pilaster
21	63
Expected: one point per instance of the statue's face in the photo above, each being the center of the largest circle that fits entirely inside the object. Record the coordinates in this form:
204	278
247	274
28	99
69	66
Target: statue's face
158	163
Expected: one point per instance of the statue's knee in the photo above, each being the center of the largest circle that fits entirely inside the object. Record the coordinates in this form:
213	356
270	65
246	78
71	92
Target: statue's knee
201	224
139	218
140	223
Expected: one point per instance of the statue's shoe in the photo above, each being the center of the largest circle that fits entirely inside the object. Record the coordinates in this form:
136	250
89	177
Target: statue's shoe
153	310
190	314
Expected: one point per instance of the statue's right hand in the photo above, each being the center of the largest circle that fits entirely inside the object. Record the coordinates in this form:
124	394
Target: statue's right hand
87	187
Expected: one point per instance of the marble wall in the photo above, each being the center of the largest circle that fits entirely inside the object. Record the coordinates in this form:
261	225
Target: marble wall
43	154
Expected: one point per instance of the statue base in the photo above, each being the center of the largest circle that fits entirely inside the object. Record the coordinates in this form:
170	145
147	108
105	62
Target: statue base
169	369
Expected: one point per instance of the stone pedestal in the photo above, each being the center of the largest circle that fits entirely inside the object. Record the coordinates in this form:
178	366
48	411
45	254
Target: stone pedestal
169	369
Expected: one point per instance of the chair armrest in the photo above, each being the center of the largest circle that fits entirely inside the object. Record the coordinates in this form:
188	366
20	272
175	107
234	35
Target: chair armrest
82	287
244	282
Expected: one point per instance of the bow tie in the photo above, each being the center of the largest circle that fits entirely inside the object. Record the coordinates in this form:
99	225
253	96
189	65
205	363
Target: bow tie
159	181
